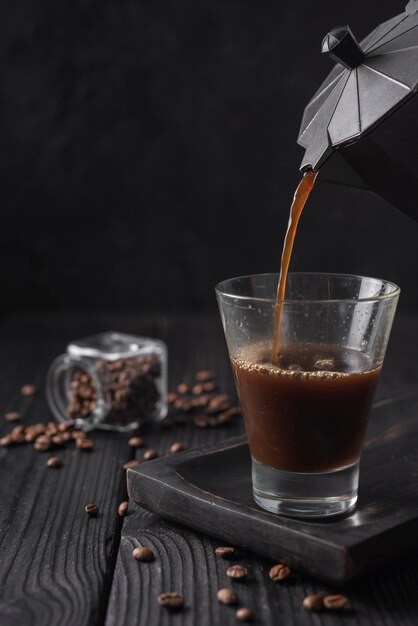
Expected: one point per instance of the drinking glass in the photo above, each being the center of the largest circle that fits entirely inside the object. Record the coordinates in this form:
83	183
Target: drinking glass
305	410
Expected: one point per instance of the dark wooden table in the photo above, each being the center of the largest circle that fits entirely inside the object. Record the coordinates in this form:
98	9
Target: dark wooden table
58	567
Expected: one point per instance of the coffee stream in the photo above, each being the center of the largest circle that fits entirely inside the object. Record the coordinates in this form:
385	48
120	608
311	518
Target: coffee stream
299	200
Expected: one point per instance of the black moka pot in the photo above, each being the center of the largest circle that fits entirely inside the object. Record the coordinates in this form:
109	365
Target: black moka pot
361	127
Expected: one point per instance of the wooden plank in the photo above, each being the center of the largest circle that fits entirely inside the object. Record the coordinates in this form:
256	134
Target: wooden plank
185	559
56	563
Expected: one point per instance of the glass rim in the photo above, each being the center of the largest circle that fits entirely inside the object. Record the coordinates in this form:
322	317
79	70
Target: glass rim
220	290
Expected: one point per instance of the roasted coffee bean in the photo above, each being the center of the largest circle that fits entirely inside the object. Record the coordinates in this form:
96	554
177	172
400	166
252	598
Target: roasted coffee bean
244	614
150	454
30	435
225	552
203	376
79	434
84	392
130	464
17	431
12	416
123	508
237	572
143	554
171	600
314	602
227	596
65	426
201	421
42	443
209	387
175	447
279	572
54	461
58	440
6	441
171	398
200	402
335	602
198	389
84	444
182	405
183	389
136	442
28	390
91	509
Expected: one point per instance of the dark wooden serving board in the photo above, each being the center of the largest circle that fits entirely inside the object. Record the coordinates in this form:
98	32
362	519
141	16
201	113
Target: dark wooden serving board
209	489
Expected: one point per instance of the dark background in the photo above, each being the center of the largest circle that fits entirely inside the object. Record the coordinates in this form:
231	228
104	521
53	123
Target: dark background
148	150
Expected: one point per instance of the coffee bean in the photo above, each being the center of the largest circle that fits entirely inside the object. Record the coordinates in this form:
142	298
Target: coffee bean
123	508
227	596
6	441
143	554
225	552
171	398
54	461
130	464
12	416
58	440
84	444
314	602
28	390
200	402
150	454
237	572
183	389
244	614
201	421
279	572
136	442
175	447
335	602
42	443
198	389
91	509
203	376
65	426
209	387
182	405
171	600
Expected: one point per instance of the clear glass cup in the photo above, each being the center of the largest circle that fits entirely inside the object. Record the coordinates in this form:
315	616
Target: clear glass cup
306	415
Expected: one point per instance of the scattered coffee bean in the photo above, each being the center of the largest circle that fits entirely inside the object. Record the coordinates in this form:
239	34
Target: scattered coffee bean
28	390
227	596
279	572
130	464
183	389
171	600
65	426
203	376
225	552
244	614
209	387
219	404
42	443
181	404
171	398
6	441
143	554
175	447
54	461
12	416
84	444
91	509
335	602
314	602
227	416
136	442
123	508
198	389
200	402
201	421
237	572
150	454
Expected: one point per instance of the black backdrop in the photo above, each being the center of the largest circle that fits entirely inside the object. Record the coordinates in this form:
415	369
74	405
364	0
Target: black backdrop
148	150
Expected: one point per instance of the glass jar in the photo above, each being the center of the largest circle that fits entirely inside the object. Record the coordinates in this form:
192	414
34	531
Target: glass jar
111	380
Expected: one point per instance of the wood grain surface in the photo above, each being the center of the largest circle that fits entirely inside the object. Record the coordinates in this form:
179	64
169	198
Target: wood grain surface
57	566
